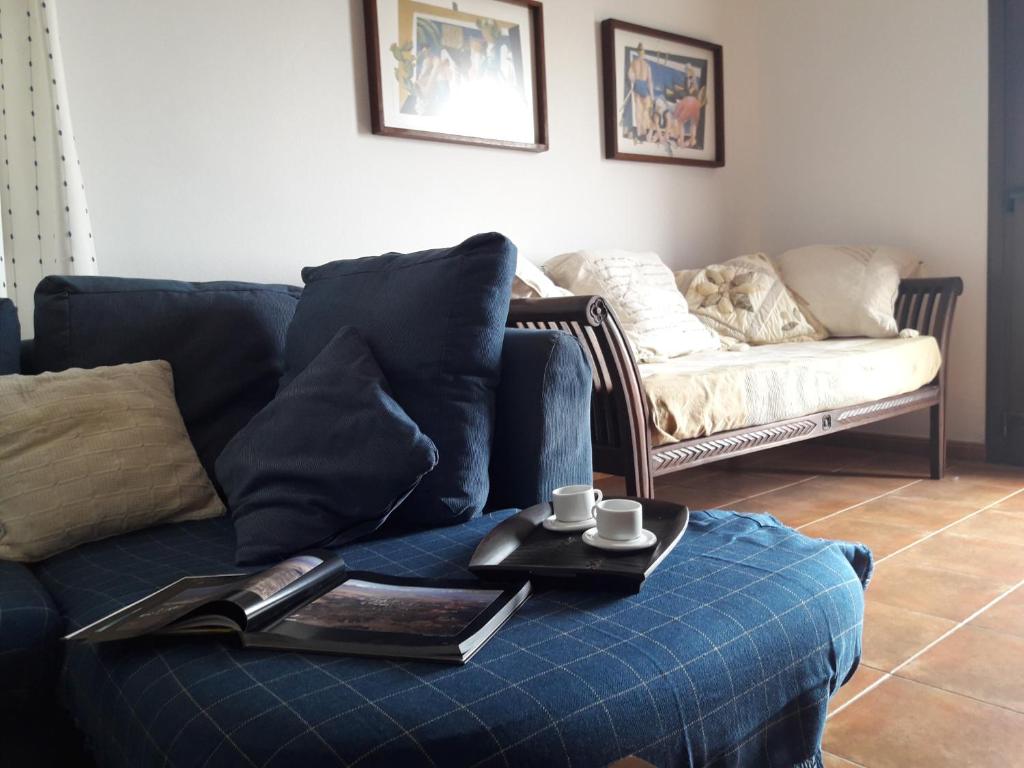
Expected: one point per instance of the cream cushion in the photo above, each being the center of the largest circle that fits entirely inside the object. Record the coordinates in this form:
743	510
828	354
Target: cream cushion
87	454
713	392
642	293
744	299
850	290
530	282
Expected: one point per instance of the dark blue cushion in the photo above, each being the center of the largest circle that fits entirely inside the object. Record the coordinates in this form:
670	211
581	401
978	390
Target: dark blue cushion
10	338
225	341
542	422
30	631
435	322
326	462
727	657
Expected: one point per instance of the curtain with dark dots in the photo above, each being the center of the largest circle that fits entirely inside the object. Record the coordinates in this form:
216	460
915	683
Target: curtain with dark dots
45	217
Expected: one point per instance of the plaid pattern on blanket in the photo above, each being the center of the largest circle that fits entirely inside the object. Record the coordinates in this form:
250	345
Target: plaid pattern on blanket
726	658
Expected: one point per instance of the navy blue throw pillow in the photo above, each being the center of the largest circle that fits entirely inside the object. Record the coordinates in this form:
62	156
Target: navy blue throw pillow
326	461
435	322
10	338
224	341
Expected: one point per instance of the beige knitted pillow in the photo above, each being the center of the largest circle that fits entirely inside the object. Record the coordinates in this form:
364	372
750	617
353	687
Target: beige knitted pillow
642	292
530	282
87	454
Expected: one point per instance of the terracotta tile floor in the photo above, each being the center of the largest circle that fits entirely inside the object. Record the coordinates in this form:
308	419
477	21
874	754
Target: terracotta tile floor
941	682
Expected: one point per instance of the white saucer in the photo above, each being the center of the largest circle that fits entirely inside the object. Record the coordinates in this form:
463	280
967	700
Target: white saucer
556	525
643	541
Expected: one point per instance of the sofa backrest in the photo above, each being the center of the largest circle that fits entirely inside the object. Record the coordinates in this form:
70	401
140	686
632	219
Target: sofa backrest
224	340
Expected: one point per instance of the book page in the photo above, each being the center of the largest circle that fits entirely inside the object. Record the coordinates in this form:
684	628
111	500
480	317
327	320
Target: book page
265	584
365	606
158	609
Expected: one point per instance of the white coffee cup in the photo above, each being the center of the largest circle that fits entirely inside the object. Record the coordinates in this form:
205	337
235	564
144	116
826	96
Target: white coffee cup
575	503
619	519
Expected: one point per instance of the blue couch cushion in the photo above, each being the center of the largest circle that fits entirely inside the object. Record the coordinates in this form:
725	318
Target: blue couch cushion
10	338
726	658
224	341
542	421
30	632
326	461
435	322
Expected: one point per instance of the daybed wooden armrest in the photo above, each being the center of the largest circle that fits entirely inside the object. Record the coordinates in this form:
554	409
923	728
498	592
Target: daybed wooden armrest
926	304
620	419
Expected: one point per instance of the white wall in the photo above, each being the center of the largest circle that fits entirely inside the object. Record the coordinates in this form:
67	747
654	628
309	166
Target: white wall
231	139
874	119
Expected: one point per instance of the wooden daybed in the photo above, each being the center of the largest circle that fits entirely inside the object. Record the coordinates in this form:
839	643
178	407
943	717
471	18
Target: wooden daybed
620	412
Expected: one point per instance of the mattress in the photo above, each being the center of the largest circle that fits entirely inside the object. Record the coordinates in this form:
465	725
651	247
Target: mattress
709	392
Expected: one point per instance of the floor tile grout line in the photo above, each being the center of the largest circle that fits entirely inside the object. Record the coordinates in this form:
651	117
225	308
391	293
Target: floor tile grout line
960	625
933	686
772	490
859	504
949	525
834	471
848	760
803	479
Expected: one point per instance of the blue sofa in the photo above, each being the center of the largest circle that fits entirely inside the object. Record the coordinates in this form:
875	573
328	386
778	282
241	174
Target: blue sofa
727	657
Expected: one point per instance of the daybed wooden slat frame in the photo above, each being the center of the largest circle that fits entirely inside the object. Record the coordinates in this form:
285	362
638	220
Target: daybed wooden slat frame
620	413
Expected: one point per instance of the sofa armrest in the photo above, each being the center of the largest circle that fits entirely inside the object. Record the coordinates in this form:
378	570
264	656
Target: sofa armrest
10	338
619	409
28	353
30	644
542	421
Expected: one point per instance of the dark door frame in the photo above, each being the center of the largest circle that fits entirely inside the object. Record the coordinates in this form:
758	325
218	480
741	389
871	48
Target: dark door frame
998	337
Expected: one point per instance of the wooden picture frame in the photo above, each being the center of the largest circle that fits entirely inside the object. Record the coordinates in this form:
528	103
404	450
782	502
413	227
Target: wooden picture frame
466	54
661	91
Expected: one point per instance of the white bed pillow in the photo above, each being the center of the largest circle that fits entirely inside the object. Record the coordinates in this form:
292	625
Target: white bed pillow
850	290
530	282
908	263
642	292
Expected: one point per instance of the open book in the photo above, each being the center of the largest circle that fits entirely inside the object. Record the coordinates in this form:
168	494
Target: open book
311	602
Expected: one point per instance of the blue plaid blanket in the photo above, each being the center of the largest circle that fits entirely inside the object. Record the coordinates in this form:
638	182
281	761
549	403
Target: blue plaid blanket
726	658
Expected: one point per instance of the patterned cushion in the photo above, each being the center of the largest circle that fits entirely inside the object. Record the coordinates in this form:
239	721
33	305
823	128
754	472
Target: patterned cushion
744	299
30	630
727	657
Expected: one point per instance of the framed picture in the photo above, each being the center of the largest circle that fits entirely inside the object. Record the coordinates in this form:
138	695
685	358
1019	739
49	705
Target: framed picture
470	71
662	96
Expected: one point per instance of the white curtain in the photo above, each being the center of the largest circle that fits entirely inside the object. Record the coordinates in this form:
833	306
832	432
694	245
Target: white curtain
45	221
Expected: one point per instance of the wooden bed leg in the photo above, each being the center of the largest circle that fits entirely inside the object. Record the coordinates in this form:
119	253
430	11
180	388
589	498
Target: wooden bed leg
937	440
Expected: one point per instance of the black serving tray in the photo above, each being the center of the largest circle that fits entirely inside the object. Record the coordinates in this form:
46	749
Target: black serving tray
520	547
